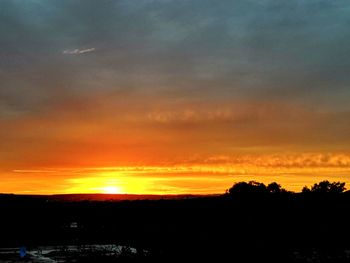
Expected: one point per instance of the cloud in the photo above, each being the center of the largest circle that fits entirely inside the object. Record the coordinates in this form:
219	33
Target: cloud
77	51
290	50
158	63
34	171
295	160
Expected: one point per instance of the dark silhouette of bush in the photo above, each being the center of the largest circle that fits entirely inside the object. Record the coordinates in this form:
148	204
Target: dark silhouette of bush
251	187
325	187
305	190
254	187
275	188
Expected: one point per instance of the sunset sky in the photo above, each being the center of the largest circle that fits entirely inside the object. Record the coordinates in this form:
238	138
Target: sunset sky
172	96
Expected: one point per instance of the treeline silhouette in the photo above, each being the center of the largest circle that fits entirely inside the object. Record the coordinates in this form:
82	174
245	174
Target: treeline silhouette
250	222
254	187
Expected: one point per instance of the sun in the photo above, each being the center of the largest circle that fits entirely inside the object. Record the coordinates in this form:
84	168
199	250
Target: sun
111	190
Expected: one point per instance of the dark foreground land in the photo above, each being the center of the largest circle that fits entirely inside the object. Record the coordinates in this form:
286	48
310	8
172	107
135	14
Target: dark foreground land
282	227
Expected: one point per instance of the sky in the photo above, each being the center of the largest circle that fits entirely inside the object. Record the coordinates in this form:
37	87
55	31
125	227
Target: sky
172	96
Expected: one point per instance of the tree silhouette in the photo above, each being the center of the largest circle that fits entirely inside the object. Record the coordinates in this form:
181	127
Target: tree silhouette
305	190
275	188
325	187
251	187
254	187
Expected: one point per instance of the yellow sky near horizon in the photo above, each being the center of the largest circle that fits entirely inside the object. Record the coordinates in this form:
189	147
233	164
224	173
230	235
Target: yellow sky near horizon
293	174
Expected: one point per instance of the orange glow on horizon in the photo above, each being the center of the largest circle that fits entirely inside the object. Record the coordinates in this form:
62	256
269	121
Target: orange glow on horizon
174	179
111	190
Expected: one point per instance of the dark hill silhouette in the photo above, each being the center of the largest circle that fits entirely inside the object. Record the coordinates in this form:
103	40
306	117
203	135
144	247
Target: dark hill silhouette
99	197
237	226
115	197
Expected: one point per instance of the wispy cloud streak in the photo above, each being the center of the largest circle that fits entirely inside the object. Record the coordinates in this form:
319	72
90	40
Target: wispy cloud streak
78	51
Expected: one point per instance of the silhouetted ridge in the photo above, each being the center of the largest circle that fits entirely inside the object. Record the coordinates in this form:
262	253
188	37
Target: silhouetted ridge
251	222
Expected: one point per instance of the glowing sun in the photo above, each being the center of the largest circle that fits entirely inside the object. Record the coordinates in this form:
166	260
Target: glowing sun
111	190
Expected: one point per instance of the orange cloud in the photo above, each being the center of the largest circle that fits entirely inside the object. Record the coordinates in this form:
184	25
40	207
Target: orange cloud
212	175
170	145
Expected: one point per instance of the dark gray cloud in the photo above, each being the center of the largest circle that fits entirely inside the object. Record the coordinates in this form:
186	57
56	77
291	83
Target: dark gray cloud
239	50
